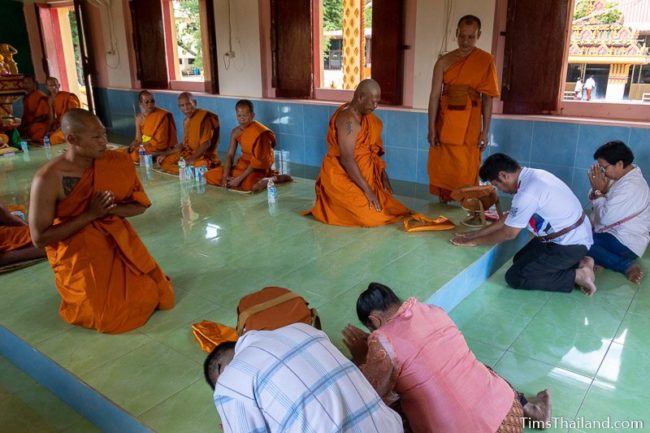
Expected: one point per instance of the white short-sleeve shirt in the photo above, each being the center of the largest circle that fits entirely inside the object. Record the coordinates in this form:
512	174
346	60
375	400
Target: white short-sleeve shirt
545	205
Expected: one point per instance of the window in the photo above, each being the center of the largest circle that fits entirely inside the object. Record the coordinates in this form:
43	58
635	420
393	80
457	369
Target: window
344	53
175	44
608	56
186	40
298	58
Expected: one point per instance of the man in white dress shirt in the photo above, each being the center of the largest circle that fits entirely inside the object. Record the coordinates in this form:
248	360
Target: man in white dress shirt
620	199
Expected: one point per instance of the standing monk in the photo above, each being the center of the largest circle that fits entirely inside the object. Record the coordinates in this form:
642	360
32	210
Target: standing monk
79	204
200	138
460	110
353	188
36	112
253	169
59	102
154	128
15	240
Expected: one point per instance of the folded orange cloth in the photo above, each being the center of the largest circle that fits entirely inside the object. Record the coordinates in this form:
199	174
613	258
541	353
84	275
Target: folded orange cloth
211	334
422	223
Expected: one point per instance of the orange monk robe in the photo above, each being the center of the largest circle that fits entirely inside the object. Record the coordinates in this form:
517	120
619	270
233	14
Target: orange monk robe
36	114
14	237
456	162
158	133
63	101
202	126
106	277
257	143
339	200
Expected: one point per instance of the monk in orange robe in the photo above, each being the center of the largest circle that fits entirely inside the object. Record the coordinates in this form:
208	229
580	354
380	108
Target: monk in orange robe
200	138
352	188
60	102
460	112
253	169
79	204
36	112
154	128
15	240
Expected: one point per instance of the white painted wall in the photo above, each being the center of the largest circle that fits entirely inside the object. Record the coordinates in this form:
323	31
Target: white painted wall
114	40
241	75
429	34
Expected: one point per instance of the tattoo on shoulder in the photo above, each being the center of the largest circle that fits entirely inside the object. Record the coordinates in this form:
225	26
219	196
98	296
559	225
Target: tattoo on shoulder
348	127
69	183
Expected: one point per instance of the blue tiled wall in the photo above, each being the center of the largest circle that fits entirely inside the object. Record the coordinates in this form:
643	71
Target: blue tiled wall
565	149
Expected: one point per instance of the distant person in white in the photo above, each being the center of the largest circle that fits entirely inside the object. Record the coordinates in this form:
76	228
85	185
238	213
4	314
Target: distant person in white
555	259
620	199
590	85
293	380
578	89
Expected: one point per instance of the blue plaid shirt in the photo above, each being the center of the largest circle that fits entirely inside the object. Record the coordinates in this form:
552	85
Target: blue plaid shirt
294	380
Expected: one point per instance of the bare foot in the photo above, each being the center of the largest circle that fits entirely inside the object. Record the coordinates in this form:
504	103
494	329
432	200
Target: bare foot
539	408
282	178
635	274
585	277
598	268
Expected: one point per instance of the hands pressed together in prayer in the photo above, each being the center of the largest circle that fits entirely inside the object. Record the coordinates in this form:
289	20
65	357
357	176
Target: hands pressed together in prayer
102	203
598	181
357	341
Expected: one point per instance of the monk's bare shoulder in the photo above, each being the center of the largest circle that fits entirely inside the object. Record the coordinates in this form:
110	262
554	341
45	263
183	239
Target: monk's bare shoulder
346	122
447	60
48	177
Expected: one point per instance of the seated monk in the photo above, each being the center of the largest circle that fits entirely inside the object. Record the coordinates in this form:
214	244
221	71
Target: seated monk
353	188
15	240
154	128
253	169
60	102
79	204
36	112
200	138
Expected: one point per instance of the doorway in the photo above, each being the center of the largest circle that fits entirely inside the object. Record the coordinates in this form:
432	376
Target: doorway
64	49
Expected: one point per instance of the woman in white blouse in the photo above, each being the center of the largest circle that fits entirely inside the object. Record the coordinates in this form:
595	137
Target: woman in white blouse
620	199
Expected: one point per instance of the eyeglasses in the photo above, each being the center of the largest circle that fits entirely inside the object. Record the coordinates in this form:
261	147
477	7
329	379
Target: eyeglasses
603	169
148	101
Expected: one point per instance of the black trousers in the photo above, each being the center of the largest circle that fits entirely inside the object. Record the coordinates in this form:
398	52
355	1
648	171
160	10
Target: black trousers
545	266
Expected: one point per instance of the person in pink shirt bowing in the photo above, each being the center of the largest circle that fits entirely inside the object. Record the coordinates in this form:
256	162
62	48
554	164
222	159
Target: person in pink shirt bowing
415	353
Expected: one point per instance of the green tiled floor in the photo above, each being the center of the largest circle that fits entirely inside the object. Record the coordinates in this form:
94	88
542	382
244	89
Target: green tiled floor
216	245
27	407
590	352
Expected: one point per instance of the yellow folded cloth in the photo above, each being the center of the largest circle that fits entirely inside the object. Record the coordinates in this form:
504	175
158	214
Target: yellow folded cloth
211	334
422	223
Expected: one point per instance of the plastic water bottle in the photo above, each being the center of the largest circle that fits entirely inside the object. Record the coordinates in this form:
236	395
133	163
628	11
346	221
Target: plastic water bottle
181	169
143	156
46	141
272	191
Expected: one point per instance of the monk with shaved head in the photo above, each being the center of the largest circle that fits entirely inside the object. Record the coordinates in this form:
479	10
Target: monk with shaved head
36	112
80	202
353	188
59	102
200	138
155	129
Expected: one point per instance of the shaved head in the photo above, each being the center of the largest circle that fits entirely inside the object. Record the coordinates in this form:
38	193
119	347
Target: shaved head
366	96
367	87
76	120
188	96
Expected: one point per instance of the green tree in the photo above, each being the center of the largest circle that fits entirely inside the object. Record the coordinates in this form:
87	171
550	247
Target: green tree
332	14
188	29
610	14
